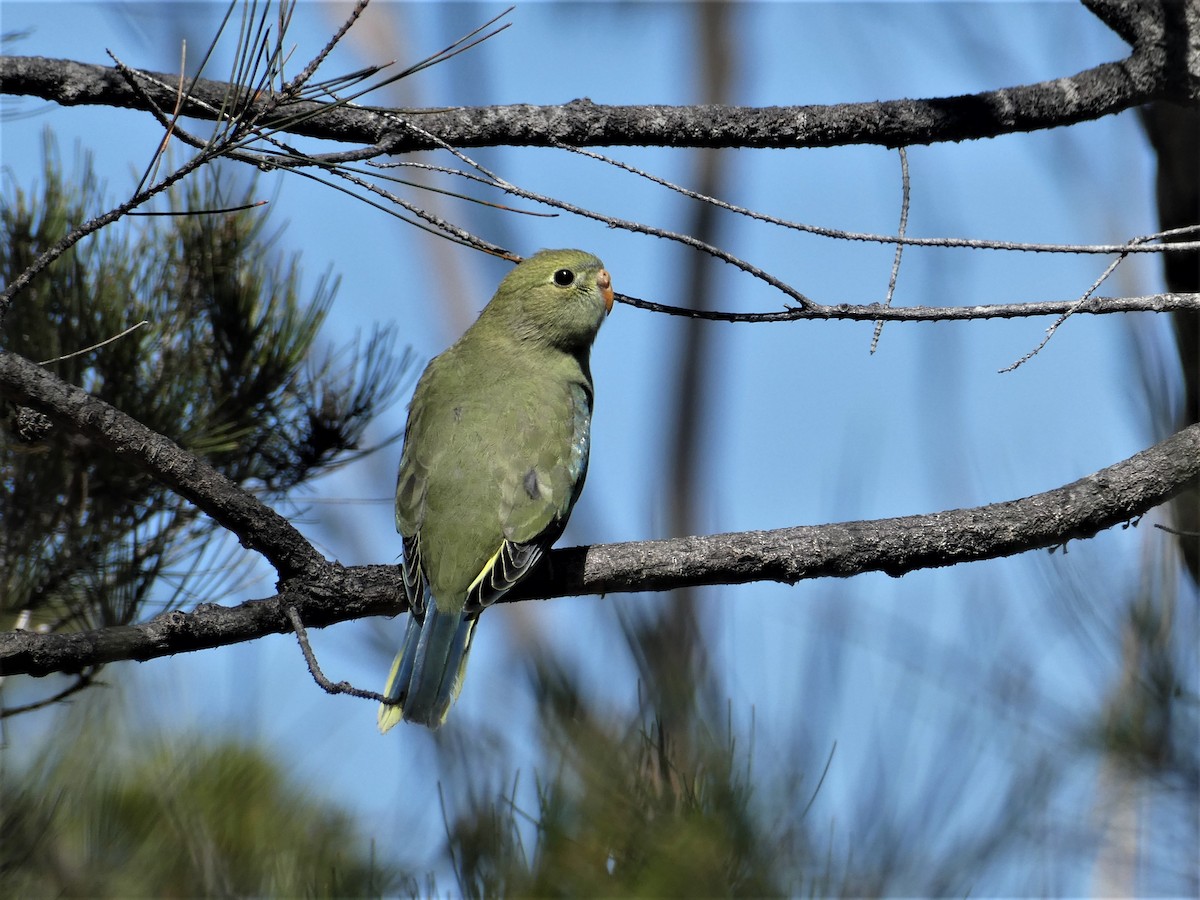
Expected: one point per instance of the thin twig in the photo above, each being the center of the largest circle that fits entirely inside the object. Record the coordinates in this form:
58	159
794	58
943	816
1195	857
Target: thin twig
820	781
84	679
241	207
905	196
395	179
309	70
342	687
954	242
449	229
624	224
437	226
115	337
1112	267
1178	532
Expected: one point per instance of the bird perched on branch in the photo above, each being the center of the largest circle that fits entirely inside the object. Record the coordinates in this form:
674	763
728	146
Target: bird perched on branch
495	455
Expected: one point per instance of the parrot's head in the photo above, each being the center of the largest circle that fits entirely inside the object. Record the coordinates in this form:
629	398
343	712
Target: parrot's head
555	297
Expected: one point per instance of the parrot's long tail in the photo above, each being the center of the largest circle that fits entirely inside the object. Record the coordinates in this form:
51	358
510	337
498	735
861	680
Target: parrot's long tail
427	673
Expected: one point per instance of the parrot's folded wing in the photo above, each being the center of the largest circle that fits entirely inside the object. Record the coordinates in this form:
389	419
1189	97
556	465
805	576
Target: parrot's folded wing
414	578
508	565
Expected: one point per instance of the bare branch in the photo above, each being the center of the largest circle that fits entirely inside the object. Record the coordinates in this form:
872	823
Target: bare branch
865	312
1163	65
257	526
296	84
331	593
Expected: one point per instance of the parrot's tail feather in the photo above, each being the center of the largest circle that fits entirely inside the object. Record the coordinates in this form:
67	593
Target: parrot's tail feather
427	673
399	677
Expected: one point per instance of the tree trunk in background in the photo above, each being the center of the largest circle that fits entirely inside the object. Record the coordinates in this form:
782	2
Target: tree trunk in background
670	645
1174	133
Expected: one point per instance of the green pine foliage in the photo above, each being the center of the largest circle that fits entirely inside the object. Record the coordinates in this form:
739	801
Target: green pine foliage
627	809
226	366
107	814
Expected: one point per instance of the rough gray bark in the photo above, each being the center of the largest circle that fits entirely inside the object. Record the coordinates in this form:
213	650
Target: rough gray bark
1164	64
330	593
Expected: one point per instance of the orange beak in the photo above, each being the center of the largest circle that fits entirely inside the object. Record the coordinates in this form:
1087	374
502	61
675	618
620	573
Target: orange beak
604	282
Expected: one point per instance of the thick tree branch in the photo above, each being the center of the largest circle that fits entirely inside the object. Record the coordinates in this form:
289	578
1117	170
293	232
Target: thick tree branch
331	593
257	526
1164	65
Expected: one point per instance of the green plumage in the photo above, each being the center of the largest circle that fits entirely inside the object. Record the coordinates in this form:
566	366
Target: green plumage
495	455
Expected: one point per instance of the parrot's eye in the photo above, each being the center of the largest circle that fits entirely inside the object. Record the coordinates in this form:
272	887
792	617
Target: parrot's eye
564	277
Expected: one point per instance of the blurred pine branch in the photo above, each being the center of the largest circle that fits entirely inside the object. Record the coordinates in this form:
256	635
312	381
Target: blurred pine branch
228	368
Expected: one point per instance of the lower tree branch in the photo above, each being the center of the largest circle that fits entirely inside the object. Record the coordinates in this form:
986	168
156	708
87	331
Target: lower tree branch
331	593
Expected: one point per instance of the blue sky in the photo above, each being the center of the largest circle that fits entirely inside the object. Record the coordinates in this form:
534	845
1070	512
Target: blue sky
801	424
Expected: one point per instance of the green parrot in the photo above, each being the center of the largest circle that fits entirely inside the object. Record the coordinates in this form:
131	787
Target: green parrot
495	455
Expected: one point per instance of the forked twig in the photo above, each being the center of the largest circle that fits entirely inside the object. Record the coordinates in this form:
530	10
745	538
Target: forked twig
1112	267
